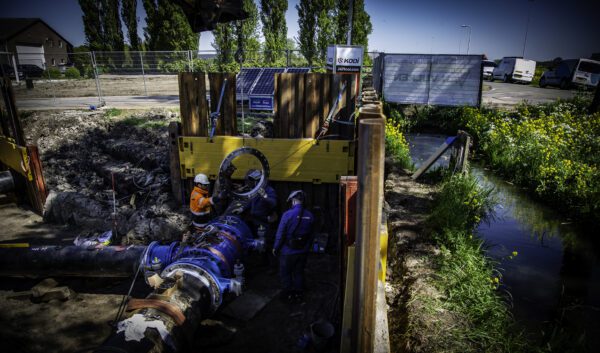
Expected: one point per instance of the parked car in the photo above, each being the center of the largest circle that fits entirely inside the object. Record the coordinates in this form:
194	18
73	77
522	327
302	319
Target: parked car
572	72
10	72
31	70
488	69
511	69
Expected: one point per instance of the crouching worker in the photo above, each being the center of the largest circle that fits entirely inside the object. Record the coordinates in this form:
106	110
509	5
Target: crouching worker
200	203
292	243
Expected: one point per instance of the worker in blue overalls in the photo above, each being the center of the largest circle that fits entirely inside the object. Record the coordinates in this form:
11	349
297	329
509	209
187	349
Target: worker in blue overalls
292	243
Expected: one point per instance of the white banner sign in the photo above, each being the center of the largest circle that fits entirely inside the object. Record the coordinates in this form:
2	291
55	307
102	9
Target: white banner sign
344	58
452	80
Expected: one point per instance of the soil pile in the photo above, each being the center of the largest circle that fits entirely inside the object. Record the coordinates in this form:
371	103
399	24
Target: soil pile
82	151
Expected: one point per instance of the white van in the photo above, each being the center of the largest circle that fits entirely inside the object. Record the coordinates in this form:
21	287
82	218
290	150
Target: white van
514	69
572	72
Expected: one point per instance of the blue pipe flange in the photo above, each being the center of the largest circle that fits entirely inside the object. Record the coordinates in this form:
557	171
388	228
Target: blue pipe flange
207	278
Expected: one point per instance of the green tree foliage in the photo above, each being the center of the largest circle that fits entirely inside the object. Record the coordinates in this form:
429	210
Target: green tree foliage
307	21
128	14
113	34
167	27
246	33
272	16
224	43
361	25
92	24
326	25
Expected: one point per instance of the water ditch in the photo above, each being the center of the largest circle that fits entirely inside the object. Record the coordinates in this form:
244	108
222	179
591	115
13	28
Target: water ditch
553	282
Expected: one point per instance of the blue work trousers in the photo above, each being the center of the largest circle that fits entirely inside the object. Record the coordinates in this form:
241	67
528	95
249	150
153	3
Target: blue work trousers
291	269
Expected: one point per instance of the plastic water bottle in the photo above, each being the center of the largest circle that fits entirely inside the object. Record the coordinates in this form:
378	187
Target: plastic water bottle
238	271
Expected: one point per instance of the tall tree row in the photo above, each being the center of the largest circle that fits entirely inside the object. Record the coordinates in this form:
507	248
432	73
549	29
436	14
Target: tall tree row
167	27
128	14
361	24
317	28
102	25
237	41
272	16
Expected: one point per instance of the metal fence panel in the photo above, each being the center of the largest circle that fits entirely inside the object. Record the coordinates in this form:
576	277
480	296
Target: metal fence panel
451	80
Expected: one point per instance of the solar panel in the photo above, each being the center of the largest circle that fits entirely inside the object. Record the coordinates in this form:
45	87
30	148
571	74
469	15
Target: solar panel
298	70
245	79
265	84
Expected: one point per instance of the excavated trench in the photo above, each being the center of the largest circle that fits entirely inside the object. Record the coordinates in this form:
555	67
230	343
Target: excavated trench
82	151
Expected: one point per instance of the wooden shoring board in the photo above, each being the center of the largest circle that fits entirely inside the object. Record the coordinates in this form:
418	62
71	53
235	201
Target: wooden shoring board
312	87
291	160
227	123
15	157
193	105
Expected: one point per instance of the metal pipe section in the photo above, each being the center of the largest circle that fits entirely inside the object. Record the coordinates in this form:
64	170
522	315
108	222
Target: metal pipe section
371	133
7	184
53	260
190	280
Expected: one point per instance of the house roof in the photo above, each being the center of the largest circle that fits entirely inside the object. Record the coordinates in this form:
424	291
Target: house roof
10	27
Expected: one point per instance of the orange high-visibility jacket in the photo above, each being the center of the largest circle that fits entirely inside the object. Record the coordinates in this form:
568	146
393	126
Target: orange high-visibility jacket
200	202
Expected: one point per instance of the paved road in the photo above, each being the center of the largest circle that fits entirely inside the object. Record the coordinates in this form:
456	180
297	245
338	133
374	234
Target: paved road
501	94
508	94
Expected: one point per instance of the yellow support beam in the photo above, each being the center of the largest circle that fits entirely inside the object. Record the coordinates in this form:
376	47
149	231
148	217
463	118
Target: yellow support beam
295	160
15	157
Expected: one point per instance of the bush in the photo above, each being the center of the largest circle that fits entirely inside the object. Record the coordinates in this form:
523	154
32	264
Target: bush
72	72
52	73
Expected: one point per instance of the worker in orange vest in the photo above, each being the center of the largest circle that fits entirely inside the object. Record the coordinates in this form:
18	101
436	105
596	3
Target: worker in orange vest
200	203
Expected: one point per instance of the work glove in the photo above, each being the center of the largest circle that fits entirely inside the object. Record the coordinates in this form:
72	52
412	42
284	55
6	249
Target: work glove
262	193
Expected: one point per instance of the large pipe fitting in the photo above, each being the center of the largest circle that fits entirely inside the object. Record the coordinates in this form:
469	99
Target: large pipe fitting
7	183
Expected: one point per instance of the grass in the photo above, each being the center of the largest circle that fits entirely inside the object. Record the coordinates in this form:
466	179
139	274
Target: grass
144	122
112	112
465	276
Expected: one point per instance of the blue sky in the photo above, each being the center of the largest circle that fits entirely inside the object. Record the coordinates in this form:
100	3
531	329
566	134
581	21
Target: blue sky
557	28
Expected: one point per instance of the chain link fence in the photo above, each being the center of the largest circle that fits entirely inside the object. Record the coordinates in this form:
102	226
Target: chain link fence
98	74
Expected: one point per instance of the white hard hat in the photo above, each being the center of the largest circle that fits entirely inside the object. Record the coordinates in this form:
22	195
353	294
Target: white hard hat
201	179
296	194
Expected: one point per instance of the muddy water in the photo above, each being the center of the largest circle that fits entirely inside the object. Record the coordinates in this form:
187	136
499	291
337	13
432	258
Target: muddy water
554	281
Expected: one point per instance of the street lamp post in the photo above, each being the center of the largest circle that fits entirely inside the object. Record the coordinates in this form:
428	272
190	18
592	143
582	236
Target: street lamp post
527	26
469	41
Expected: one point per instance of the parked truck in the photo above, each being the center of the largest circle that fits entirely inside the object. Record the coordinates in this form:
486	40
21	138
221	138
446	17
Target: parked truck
514	69
573	72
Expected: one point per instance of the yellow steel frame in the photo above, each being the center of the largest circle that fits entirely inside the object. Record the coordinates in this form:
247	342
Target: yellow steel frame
15	157
296	160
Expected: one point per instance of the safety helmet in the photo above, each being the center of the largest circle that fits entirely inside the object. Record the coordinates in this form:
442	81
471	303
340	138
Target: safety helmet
201	179
296	194
253	175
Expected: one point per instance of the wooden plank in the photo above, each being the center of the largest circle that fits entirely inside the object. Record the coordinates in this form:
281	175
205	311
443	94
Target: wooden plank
37	187
312	83
284	108
298	112
12	114
369	202
227	124
294	160
434	157
192	104
177	186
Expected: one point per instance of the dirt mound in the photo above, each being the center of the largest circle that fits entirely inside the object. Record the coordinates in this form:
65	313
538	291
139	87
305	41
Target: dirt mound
82	153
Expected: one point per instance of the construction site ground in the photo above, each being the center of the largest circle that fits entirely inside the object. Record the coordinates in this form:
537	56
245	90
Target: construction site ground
81	151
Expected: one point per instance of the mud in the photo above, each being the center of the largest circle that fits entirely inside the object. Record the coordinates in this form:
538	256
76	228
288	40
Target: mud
82	152
412	327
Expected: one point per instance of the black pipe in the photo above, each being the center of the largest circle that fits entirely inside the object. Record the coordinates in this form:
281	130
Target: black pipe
49	260
7	184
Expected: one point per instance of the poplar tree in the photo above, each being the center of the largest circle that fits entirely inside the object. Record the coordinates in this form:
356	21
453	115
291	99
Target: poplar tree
246	33
272	16
361	24
225	44
128	14
167	27
113	34
307	21
92	24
